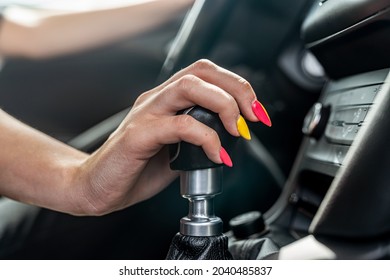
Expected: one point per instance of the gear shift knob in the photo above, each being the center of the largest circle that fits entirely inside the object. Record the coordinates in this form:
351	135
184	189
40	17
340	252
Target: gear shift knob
200	178
186	156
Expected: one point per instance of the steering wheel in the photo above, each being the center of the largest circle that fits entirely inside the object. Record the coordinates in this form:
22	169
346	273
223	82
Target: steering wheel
195	38
197	35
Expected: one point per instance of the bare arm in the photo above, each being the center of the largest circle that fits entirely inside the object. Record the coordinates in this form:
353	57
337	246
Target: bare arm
35	168
44	35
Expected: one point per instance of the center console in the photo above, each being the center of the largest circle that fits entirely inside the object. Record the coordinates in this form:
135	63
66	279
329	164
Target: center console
334	122
331	127
337	195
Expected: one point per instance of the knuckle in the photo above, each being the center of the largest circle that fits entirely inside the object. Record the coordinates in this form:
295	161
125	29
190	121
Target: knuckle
187	81
209	137
141	98
210	142
183	123
213	135
231	102
204	64
244	84
187	127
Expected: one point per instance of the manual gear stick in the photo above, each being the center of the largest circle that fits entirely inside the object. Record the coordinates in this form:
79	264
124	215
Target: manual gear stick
200	234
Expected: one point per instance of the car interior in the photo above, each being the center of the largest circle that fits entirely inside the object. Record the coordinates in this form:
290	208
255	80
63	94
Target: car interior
315	185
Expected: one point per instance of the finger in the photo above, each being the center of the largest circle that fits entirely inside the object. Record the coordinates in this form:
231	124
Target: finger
185	128
235	85
190	90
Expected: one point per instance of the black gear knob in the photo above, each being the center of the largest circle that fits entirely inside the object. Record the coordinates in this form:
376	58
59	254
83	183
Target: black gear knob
185	156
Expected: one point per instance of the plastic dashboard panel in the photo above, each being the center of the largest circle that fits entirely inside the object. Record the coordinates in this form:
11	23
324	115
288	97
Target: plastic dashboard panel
332	16
353	221
357	204
350	100
321	161
336	202
349	37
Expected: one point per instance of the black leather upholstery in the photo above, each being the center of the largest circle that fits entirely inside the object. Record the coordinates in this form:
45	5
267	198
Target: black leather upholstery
253	249
185	247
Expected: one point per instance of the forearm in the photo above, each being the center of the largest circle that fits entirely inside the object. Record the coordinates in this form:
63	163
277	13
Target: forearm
51	35
37	169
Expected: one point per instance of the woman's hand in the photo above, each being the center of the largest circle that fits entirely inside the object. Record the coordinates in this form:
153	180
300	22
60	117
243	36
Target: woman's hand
133	164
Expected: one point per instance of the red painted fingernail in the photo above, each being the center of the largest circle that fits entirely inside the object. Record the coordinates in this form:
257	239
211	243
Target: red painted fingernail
261	113
225	157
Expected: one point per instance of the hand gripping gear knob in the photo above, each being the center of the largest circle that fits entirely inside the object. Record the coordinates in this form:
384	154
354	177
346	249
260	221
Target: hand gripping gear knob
200	178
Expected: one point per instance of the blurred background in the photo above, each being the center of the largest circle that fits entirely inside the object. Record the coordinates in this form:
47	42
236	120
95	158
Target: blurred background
65	95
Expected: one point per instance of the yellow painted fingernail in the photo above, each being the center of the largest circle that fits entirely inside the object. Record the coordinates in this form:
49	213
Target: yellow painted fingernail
243	128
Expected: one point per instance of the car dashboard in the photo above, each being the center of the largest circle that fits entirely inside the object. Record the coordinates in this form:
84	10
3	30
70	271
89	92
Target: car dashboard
335	203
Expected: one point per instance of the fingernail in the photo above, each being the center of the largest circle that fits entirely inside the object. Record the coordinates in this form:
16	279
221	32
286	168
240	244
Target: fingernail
243	129
261	113
225	157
